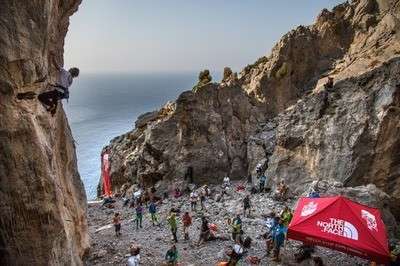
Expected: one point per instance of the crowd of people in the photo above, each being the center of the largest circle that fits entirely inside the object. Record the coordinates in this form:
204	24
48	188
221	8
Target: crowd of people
275	225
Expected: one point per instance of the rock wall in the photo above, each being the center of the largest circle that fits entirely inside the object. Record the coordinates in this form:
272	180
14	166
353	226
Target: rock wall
278	106
350	133
42	199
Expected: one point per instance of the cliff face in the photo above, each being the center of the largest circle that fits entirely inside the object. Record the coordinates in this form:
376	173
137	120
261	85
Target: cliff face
279	106
42	200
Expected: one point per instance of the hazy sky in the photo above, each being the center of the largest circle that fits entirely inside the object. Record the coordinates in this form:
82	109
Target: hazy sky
180	35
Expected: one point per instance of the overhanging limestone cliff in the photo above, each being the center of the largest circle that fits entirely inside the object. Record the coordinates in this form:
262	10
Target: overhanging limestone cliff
42	200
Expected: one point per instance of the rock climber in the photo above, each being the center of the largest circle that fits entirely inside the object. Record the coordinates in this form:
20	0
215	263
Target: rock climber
246	205
187	222
152	211
61	89
171	257
117	224
134	259
173	225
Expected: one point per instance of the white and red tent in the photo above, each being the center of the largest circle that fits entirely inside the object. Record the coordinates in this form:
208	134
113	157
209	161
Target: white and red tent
341	224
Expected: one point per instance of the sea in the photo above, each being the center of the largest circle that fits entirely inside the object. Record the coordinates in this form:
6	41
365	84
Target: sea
103	106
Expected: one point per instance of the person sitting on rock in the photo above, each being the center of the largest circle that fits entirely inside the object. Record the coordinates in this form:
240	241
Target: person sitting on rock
329	83
281	191
61	89
177	193
134	259
233	256
171	257
204	231
117	224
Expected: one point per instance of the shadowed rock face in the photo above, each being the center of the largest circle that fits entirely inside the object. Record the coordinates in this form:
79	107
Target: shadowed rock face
42	200
278	106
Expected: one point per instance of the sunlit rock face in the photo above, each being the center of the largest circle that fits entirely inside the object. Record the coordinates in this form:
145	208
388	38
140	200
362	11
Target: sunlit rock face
278	109
43	203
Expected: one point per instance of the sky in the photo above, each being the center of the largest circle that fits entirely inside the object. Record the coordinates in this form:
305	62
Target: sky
133	36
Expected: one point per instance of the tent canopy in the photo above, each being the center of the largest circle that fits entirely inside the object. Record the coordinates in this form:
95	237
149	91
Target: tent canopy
341	224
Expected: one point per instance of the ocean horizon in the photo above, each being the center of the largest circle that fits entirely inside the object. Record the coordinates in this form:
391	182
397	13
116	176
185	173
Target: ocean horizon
103	106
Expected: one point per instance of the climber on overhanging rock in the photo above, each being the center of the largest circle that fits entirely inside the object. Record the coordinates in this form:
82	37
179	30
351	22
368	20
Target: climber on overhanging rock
50	98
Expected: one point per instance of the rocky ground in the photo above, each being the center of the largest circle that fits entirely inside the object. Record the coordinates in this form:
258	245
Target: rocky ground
107	249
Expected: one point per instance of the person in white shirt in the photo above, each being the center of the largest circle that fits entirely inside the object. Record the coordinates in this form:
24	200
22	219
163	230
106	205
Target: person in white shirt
61	90
227	181
134	259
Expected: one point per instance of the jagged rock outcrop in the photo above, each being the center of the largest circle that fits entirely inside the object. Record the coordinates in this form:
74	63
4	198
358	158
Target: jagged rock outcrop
206	130
42	200
278	106
350	133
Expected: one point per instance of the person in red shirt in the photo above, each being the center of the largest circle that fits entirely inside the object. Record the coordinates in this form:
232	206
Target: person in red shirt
187	222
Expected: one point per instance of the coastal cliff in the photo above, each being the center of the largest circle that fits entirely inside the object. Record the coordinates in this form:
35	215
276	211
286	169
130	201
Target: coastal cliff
278	109
43	202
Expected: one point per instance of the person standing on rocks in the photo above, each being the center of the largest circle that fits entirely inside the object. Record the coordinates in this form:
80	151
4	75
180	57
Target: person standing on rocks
286	216
152	211
278	237
203	194
134	259
187	222
193	200
172	256
173	225
236	227
139	215
262	180
117	224
246	205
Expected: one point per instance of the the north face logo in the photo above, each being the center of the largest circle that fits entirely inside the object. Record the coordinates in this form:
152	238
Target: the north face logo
339	227
309	208
371	220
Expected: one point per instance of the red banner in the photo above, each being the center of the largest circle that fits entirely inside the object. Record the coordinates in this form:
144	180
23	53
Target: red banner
105	173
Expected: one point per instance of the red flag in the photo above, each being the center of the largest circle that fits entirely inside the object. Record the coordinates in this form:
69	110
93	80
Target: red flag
105	172
341	224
